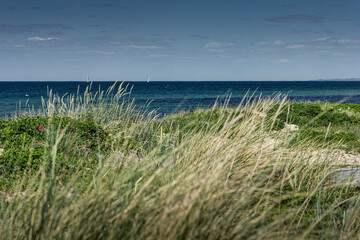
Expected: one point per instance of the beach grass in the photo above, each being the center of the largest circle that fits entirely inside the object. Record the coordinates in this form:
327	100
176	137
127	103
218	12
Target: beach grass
96	166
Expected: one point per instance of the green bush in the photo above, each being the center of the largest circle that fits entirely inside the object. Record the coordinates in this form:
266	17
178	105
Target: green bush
27	142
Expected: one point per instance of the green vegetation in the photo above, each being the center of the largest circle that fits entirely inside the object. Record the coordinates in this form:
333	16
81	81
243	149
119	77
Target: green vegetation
337	123
98	167
27	142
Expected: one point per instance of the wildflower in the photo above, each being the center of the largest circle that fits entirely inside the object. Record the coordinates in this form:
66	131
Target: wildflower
97	140
86	149
39	127
141	134
308	123
62	130
88	134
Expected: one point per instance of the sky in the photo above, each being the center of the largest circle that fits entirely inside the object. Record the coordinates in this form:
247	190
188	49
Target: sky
179	40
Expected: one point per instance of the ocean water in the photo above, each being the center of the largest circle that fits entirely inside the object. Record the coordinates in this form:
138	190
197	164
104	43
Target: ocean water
169	97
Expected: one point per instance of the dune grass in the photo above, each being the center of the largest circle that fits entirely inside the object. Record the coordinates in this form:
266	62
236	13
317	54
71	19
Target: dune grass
221	173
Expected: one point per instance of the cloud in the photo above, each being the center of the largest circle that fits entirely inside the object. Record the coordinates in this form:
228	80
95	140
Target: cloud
296	18
335	42
323	31
133	46
278	43
321	44
31	28
282	60
199	36
218	45
347	41
274	43
323	39
262	43
296	46
158	55
91	52
41	39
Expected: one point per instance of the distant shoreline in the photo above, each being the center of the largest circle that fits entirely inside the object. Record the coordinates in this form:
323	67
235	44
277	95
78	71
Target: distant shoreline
177	81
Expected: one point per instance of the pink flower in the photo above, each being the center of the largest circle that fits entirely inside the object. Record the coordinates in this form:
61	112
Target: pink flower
62	130
39	127
88	134
85	149
308	123
97	140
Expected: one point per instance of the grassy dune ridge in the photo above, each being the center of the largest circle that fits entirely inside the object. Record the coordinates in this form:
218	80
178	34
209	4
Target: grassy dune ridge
106	169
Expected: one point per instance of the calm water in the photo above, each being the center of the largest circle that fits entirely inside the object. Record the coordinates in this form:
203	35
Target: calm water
170	97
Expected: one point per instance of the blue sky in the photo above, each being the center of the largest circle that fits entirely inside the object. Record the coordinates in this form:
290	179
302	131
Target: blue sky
179	39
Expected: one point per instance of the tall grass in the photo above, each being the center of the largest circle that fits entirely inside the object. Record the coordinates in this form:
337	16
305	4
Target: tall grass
231	177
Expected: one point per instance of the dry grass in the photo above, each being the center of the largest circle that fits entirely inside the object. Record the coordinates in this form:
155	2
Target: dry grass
223	181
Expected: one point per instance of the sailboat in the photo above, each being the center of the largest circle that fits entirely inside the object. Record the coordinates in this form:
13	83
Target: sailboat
148	79
88	80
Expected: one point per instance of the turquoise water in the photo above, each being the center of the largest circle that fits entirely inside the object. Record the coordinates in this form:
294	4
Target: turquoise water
170	97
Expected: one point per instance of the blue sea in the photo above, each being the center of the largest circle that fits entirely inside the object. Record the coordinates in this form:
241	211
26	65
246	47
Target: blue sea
169	97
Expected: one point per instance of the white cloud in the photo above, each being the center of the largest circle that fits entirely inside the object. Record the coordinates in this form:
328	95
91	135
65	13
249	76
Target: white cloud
274	43
41	39
337	40
295	46
323	39
218	45
262	43
89	52
217	50
133	46
157	55
278	43
347	41
282	60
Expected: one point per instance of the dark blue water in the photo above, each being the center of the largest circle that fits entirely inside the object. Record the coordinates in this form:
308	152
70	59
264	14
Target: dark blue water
170	97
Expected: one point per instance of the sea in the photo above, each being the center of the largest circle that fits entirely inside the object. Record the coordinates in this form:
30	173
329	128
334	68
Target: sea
171	97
